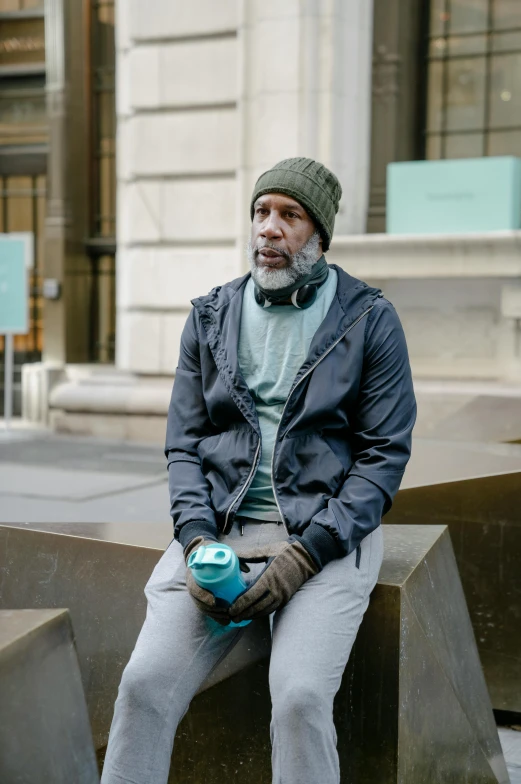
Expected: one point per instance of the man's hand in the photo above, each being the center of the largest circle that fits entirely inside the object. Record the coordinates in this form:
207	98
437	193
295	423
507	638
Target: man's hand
204	600
288	566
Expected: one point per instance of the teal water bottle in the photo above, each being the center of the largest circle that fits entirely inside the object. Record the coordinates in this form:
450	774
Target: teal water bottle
216	568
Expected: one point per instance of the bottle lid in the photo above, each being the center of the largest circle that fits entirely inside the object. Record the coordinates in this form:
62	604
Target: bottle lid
212	563
210	555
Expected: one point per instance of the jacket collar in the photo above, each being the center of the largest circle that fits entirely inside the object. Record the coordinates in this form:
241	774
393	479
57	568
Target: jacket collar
220	315
350	292
353	297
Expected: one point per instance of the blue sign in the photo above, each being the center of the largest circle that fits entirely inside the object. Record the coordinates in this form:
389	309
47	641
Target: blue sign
454	196
14	286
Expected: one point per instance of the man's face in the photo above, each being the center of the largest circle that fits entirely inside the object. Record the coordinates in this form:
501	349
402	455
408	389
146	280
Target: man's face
281	227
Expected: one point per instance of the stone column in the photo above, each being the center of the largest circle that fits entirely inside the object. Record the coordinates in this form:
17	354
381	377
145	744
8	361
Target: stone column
177	159
306	90
65	319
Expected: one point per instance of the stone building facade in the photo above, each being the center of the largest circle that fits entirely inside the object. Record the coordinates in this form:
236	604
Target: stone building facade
209	95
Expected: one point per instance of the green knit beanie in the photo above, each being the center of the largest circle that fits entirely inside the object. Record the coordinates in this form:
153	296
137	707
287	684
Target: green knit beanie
311	184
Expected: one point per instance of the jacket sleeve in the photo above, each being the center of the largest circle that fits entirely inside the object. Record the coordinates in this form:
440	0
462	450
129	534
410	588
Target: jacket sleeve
188	423
382	428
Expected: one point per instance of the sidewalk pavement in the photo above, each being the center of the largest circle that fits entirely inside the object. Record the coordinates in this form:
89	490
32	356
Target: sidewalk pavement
50	478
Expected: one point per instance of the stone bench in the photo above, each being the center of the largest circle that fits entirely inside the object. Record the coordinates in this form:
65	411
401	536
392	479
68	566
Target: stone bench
475	490
413	706
44	726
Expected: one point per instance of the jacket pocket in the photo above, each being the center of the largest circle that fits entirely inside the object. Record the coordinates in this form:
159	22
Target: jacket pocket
226	461
306	466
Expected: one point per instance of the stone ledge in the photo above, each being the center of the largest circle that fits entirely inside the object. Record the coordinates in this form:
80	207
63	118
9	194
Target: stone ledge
104	391
388	256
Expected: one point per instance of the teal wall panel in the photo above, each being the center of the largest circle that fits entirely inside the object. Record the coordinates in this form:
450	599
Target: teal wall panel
454	196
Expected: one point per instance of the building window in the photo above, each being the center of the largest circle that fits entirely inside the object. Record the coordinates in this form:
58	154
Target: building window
474	79
23	158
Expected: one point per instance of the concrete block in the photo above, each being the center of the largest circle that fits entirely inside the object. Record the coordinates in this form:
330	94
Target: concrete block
199	210
511	300
172	277
44	726
139	344
38	380
121	427
450	330
274	48
412	708
469	411
273	128
124	163
200	142
139	212
209	72
274	10
122	25
177	18
474	489
123	85
143	77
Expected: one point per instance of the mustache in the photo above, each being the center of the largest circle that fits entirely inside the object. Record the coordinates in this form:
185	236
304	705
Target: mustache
271	246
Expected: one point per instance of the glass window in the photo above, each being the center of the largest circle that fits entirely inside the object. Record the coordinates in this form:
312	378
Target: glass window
506	14
504	143
434	147
468	16
474	78
464	145
467	44
21	5
505	91
465	104
435	112
507	41
22	41
438	17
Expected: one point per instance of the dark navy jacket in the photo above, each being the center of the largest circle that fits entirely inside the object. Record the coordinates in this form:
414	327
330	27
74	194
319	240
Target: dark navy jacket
344	437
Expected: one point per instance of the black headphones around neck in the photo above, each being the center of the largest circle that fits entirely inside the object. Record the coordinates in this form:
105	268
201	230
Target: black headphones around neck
301	298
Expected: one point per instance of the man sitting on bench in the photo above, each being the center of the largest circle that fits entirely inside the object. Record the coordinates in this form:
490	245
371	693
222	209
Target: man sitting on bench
288	434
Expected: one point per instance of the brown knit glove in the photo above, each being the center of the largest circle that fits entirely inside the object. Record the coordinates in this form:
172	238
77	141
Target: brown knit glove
204	600
288	566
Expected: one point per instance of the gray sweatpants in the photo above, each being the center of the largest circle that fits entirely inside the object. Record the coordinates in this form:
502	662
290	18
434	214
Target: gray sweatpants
177	648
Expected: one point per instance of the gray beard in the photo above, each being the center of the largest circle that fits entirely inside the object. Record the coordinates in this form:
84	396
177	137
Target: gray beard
301	264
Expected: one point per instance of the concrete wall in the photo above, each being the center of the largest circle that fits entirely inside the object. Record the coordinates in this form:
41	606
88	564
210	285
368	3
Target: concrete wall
177	89
210	94
458	297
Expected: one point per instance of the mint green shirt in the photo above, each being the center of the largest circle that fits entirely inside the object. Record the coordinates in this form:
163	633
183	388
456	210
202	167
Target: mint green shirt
273	345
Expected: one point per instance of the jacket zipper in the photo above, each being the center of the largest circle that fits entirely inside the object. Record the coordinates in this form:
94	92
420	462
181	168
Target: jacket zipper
308	371
243	489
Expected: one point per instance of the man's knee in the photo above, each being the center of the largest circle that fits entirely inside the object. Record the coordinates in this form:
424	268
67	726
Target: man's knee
300	701
139	688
